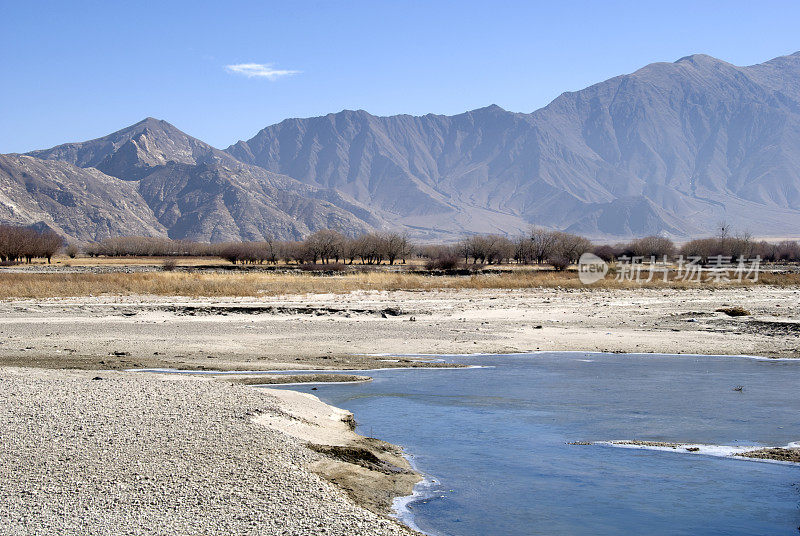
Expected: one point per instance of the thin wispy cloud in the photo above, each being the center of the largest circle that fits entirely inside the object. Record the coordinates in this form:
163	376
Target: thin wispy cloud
259	70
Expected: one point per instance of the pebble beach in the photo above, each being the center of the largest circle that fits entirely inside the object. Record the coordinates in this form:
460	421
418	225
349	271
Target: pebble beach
119	453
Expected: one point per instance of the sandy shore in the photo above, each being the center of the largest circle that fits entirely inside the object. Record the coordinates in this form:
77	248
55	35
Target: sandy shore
329	331
147	454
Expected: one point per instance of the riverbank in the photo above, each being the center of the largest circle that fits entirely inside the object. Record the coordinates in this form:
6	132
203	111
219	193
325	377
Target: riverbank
88	452
129	450
371	471
339	331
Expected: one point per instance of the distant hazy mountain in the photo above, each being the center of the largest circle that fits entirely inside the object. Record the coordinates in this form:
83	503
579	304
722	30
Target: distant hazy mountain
197	192
673	148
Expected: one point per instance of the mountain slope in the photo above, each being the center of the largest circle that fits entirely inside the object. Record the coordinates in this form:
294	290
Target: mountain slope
82	204
690	143
201	193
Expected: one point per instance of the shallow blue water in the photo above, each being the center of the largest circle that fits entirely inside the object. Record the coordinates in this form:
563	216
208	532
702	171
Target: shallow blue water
494	440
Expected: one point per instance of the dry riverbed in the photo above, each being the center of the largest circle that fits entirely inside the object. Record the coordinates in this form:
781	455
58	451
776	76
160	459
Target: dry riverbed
337	331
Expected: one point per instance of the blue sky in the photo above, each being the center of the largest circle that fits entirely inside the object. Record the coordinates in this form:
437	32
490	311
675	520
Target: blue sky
78	70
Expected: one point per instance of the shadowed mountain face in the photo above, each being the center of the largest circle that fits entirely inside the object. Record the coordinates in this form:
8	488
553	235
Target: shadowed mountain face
672	148
194	191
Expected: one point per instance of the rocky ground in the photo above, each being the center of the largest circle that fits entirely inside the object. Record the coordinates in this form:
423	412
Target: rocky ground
123	453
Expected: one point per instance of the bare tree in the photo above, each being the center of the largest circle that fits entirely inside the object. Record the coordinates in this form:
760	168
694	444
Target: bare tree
724	230
566	249
18	243
46	245
542	243
652	246
523	250
464	248
325	245
395	246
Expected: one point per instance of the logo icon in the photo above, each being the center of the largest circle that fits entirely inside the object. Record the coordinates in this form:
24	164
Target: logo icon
591	268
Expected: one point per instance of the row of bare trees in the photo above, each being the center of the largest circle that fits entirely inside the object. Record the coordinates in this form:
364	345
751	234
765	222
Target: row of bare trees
537	246
18	243
325	247
734	247
145	246
705	248
328	246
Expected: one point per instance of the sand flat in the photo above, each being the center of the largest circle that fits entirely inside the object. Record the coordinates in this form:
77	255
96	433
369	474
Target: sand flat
141	331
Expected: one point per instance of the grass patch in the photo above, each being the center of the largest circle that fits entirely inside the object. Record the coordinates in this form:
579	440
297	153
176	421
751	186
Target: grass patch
243	284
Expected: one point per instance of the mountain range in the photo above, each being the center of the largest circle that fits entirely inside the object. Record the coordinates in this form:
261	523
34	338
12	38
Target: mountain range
671	149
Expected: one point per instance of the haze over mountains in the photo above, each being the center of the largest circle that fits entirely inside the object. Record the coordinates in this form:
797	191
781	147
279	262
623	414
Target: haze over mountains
673	148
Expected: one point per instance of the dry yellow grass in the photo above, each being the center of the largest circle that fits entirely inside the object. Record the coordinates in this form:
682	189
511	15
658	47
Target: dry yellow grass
33	285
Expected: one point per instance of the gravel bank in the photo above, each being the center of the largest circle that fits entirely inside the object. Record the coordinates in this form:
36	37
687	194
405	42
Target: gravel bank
147	454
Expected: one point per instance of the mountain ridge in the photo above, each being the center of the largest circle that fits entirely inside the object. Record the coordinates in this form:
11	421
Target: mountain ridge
651	134
671	148
198	192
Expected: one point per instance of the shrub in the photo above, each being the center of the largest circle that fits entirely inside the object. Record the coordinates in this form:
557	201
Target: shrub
445	261
734	311
559	262
606	252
